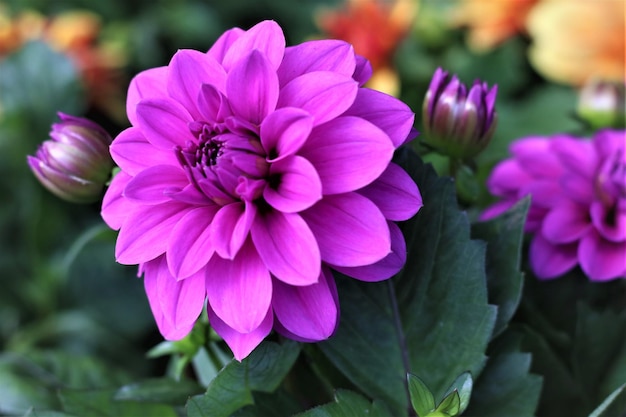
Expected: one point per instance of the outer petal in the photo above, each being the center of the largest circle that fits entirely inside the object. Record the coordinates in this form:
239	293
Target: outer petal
318	55
164	123
576	155
496	209
363	71
601	259
190	247
350	230
115	207
252	87
242	344
287	247
309	313
284	132
298	185
150	83
266	37
395	193
324	94
538	160
348	153
223	44
386	267
175	305
507	178
145	232
149	186
230	227
240	291
551	261
565	223
388	113
132	152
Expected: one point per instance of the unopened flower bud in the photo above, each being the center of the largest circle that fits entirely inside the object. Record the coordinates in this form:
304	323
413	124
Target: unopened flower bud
458	122
602	104
74	164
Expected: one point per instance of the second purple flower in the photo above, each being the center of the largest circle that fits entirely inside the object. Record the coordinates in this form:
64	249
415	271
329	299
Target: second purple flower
248	173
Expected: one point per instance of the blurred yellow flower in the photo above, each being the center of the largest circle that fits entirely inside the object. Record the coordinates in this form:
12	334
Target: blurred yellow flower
491	22
574	40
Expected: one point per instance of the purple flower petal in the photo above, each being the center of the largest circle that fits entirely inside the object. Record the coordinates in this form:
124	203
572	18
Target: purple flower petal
189	246
242	344
223	43
147	84
230	228
148	187
496	209
266	37
240	290
600	259
284	132
577	187
610	223
386	267
507	178
188	71
114	207
309	313
324	94
545	193
132	152
363	71
551	261
395	193
348	153
350	230
164	123
252	88
212	104
535	156
287	247
566	223
145	232
175	304
577	156
319	55
298	185
391	115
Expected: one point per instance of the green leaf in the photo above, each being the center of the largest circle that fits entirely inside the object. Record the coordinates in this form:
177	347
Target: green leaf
348	404
232	388
463	385
45	413
161	390
613	404
433	318
422	399
504	236
451	404
101	403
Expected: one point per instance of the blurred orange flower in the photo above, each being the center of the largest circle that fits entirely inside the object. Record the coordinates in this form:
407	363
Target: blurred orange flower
491	22
375	28
573	41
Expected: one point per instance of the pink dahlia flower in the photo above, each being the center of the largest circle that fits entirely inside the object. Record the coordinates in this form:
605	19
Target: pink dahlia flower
578	203
248	173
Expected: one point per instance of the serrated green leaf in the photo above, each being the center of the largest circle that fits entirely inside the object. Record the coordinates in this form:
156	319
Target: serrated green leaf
348	404
422	399
161	390
463	385
433	317
451	404
613	404
263	370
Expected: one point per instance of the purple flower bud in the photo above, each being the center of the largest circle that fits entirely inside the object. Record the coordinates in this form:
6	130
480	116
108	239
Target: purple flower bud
75	163
458	122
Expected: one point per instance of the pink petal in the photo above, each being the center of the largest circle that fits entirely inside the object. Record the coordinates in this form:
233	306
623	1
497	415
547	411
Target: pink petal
536	157
164	123
309	313
190	247
576	155
324	94
363	71
577	187
284	132
507	178
386	267
609	222
350	230
348	153
318	55
239	290
601	259
551	261
298	186
150	83
175	304
212	104
545	193
496	209
565	223
132	152
188	71
230	227
145	232
287	247
148	187
223	43
391	115
115	208
395	193
252	88
266	37
242	344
